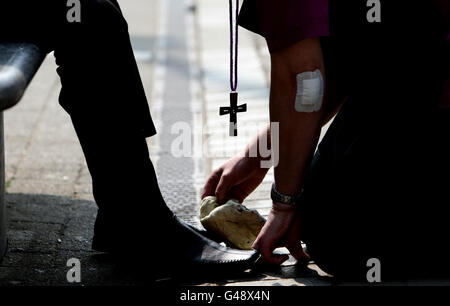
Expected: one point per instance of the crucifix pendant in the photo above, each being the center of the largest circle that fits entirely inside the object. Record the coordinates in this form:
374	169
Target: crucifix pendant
232	110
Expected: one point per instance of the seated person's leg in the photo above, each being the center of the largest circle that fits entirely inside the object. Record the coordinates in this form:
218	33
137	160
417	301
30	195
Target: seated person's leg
103	94
102	91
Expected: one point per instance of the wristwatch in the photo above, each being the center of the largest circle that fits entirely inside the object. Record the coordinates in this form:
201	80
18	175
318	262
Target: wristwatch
282	198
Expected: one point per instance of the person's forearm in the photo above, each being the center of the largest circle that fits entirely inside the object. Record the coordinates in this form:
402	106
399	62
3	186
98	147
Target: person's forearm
298	137
265	136
298	131
334	100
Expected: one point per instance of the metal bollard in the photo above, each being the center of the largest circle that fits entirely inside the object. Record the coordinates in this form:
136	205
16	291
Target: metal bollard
18	64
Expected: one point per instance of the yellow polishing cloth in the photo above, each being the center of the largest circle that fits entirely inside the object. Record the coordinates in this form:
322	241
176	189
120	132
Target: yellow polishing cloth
234	222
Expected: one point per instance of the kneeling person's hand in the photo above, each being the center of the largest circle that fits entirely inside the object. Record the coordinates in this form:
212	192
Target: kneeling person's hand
282	229
235	179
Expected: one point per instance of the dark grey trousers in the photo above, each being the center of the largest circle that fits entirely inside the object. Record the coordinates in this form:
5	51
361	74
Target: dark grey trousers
378	186
103	93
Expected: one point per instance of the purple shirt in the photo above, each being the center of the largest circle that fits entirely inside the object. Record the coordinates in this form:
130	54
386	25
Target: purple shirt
284	25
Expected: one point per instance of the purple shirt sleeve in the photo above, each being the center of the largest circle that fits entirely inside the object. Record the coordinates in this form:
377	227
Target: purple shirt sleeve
285	22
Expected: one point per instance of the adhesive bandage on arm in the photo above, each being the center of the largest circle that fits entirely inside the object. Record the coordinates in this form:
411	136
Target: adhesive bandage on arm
310	88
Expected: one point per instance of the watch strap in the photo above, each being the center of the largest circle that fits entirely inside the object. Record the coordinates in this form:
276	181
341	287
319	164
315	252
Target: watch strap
283	198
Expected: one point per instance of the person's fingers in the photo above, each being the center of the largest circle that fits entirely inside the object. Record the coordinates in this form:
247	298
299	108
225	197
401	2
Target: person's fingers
271	258
211	184
224	185
267	253
296	250
276	259
239	192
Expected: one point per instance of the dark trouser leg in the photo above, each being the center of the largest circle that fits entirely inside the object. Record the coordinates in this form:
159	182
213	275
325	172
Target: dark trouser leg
103	94
375	189
392	206
124	184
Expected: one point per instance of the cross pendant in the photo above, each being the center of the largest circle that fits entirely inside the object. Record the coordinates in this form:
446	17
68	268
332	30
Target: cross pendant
232	110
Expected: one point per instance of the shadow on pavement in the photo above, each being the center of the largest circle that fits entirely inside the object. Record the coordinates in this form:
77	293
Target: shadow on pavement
45	231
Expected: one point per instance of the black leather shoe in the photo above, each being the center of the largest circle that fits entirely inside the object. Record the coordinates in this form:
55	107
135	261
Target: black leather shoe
182	248
206	234
196	250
